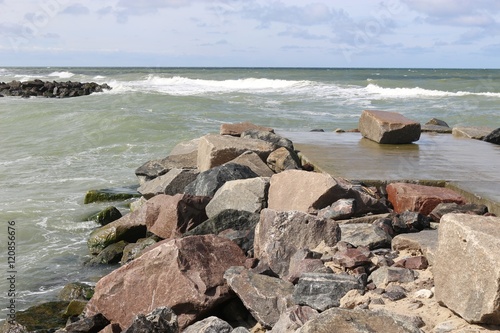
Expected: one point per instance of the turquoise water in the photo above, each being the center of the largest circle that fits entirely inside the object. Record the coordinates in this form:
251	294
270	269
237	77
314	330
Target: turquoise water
53	150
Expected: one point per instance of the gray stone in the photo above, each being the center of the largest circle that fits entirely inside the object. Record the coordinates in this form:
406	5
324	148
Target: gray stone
76	291
279	234
437	122
304	261
425	241
215	150
322	291
356	321
240	329
160	320
283	159
466	274
493	137
277	140
409	221
340	209
264	296
452	207
171	183
237	128
254	162
111	254
294	318
209	325
90	324
134	250
367	235
394	293
384	275
208	182
436	129
477	132
388	127
241	194
227	219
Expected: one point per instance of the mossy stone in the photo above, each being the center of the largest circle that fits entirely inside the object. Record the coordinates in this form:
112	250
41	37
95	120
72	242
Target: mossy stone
111	194
76	291
74	308
106	235
110	255
44	317
106	216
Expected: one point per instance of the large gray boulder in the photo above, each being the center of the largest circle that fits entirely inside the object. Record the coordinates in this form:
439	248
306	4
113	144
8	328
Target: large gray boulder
171	183
388	127
466	274
254	162
425	241
242	194
364	234
279	234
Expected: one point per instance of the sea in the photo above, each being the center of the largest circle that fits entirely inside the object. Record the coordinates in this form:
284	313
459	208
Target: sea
54	150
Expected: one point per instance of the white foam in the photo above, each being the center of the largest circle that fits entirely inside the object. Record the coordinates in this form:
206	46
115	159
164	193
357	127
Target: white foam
62	75
376	90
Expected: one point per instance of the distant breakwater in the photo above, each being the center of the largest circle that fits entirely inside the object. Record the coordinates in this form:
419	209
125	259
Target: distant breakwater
48	89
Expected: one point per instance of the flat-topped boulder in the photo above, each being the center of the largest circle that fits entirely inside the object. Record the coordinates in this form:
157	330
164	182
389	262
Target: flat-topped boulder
237	128
215	150
171	183
388	127
466	274
254	162
472	132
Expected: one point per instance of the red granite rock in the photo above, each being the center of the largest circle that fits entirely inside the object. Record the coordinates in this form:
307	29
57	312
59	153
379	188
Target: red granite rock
420	198
418	262
185	274
388	127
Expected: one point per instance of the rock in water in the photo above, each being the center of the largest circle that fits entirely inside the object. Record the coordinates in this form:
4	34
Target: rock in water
388	127
466	273
493	137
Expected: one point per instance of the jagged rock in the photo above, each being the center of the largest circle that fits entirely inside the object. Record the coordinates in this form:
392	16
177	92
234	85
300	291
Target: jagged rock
74	308
237	128
293	318
394	293
354	298
322	291
384	275
106	216
208	182
254	162
52	89
171	183
477	132
264	296
133	250
283	159
350	257
452	207
92	324
171	216
10	326
111	254
425	241
493	137
76	290
420	198
277	140
357	321
339	210
364	234
160	320
196	264
242	194
215	150
417	262
209	325
408	221
111	194
304	261
279	234
466	274
136	204
388	127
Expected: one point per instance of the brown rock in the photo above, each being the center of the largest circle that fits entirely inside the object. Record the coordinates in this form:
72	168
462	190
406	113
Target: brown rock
420	198
466	274
384	275
215	150
425	241
238	128
417	262
283	159
174	215
388	127
352	257
254	162
294	318
477	133
279	234
183	274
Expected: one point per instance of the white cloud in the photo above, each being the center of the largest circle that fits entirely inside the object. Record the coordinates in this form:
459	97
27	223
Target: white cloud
76	9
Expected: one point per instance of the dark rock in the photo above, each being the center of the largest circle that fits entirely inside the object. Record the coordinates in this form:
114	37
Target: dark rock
208	182
76	290
317	130
133	250
364	234
45	316
171	183
409	221
209	325
107	215
322	291
394	293
293	318
437	122
283	159
91	324
227	219
160	320
264	296
388	127
277	140
493	137
74	308
452	207
111	254
40	88
111	194
339	210
384	275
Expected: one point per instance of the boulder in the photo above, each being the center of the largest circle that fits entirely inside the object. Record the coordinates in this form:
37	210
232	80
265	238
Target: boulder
357	321
111	194
254	162
409	221
171	183
111	254
92	324
106	216
171	216
339	210
293	318
160	320
209	325
388	127
436	129
45	316
364	234
277	140
437	122
493	137
384	275
264	296
425	241
420	198
466	274
279	234
283	159
350	257
74	309
416	262
304	261
227	219
183	156
208	182
452	207
322	291
237	128
76	291
243	194
477	133
194	266
133	250
215	150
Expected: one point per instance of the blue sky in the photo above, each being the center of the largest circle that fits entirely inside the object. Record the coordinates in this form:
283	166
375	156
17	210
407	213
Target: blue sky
247	33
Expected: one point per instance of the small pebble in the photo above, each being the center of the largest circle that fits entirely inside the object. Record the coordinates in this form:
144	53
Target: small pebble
424	293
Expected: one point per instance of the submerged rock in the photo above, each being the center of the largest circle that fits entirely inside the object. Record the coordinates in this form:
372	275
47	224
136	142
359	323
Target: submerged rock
111	194
45	316
388	127
106	216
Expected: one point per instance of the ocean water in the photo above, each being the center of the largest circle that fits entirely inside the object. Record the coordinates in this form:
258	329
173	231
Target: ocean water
53	150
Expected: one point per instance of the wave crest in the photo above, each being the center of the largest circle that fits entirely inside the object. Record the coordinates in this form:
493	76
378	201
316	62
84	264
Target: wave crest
62	75
420	92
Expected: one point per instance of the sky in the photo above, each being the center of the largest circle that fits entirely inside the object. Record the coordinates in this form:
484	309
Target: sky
251	33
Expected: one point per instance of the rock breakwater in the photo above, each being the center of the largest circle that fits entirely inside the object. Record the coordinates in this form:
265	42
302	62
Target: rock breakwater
50	89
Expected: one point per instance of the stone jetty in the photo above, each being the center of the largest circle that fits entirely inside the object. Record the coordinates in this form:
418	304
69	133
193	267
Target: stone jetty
235	233
50	89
